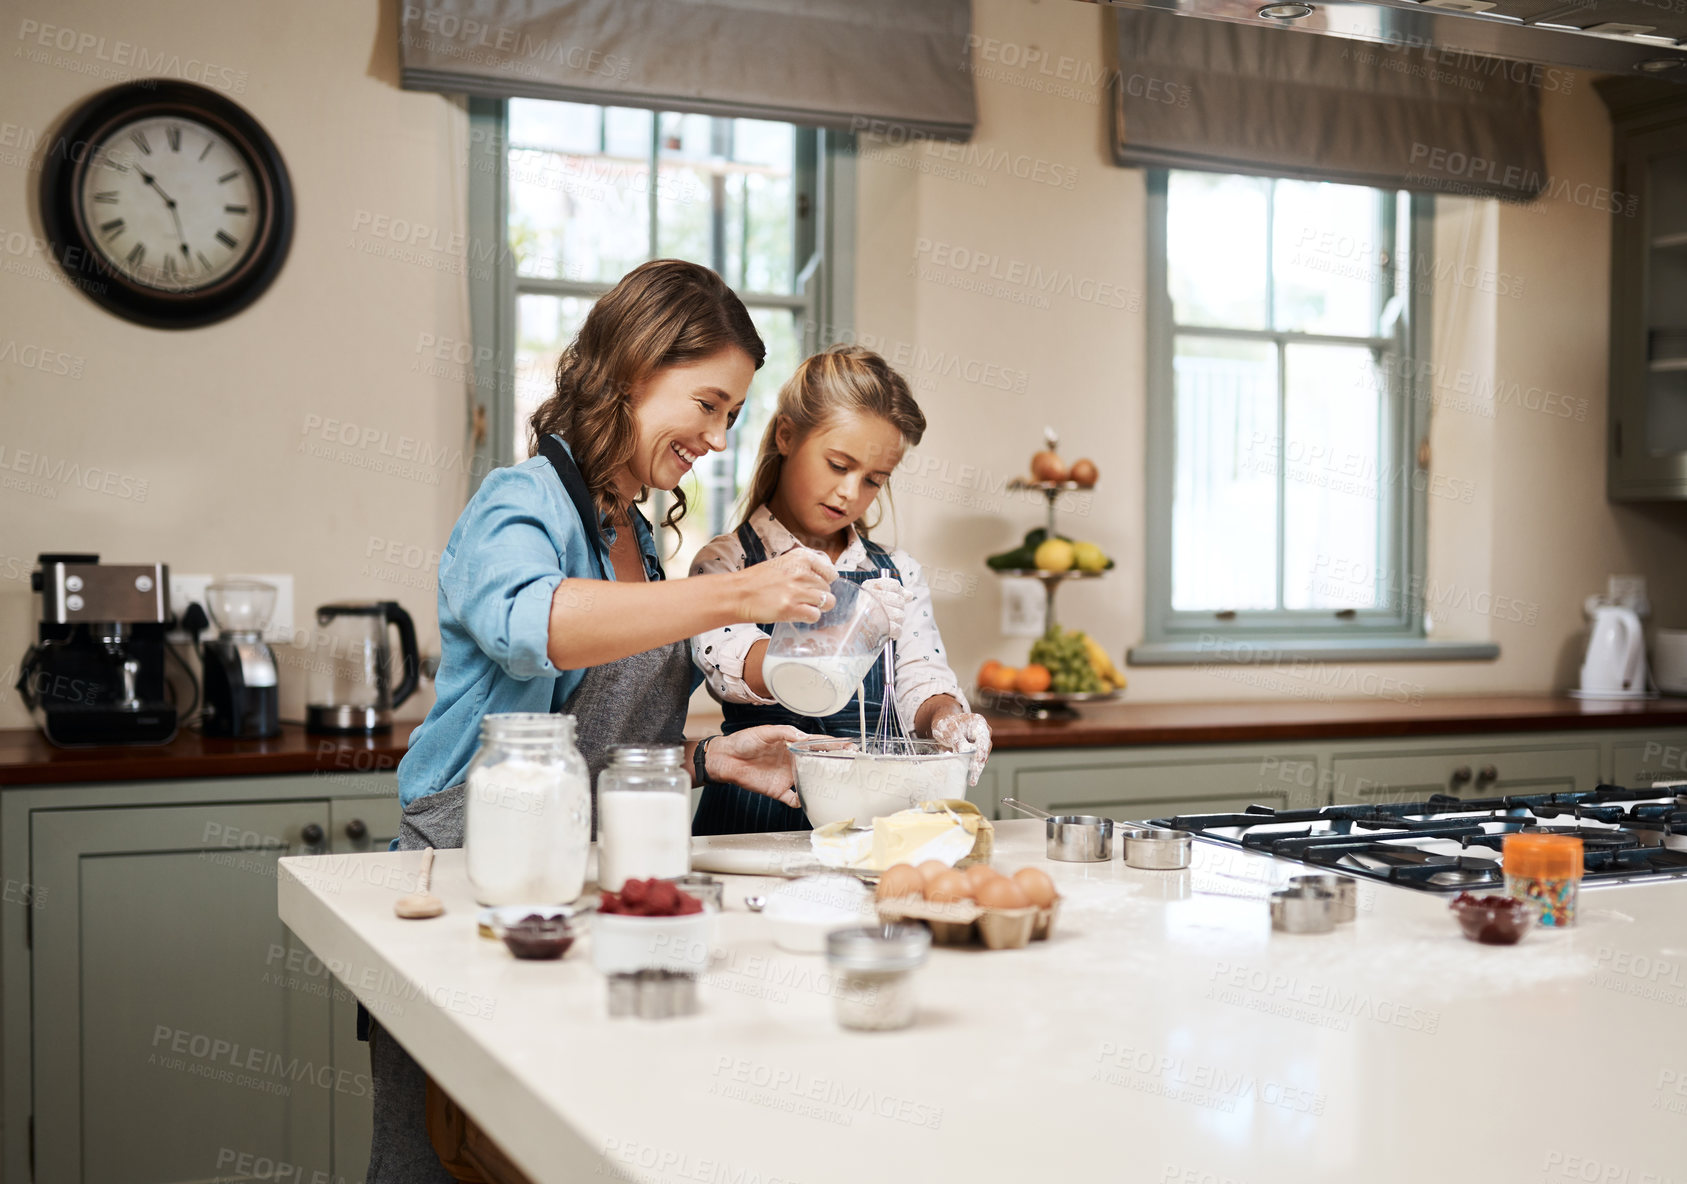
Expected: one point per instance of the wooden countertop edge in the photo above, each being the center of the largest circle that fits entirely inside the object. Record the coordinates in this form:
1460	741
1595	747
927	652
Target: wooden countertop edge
26	758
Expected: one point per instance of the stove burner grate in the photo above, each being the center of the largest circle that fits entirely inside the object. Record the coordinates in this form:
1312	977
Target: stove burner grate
1623	833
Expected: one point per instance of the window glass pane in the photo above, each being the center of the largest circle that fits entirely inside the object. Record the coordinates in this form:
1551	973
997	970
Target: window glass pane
766	157
577	211
1334	474
544	325
1215	249
626	132
561	127
1327	258
1224	503
778	329
686	190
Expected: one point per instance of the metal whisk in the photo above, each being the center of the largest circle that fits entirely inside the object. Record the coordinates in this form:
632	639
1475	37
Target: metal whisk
888	733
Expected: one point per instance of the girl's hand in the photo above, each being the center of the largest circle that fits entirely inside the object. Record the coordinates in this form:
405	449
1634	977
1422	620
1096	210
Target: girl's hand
961	731
794	587
893	597
757	759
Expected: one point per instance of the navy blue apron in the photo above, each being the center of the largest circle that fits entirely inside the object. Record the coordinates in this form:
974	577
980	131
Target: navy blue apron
727	809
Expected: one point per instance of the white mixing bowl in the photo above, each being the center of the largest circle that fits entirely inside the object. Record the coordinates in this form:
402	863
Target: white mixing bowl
837	783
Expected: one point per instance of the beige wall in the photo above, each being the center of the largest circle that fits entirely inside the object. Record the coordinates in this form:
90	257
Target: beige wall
1511	556
214	419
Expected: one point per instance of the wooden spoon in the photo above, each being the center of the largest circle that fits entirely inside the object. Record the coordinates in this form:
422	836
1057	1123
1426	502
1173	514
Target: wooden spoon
420	904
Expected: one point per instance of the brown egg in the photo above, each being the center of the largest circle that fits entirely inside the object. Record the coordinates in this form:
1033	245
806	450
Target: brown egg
951	886
980	874
931	869
902	880
1036	885
1002	893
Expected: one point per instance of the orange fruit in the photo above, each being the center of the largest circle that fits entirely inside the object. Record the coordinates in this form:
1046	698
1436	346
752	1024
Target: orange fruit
1032	679
1002	678
988	671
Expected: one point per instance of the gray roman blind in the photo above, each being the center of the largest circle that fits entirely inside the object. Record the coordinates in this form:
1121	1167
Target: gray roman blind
889	66
1236	98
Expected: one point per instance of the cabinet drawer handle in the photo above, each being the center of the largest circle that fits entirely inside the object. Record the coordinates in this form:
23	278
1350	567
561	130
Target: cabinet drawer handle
1460	776
311	834
1487	775
355	829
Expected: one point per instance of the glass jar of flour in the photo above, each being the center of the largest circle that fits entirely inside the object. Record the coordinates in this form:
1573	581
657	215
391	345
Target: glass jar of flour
527	811
643	815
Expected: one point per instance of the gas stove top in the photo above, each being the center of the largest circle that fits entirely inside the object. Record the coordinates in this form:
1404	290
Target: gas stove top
1448	844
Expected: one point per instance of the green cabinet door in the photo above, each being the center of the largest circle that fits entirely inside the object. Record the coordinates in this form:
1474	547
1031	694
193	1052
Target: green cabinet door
1133	788
358	825
171	1043
1479	772
1637	764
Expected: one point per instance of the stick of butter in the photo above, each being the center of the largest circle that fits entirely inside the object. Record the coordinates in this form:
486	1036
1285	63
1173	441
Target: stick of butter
948	831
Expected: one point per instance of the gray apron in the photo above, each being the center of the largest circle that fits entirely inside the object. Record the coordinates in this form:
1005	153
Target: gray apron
639	699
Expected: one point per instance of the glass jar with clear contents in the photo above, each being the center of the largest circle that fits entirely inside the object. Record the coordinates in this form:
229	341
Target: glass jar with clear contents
643	815
527	811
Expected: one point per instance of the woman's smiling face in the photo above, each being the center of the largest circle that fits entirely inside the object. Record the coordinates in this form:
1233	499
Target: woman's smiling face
682	412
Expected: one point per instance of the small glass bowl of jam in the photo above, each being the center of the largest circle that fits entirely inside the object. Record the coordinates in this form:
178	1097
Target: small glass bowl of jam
1495	919
538	937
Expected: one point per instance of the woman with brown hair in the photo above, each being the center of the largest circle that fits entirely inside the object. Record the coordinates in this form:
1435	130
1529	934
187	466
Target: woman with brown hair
551	595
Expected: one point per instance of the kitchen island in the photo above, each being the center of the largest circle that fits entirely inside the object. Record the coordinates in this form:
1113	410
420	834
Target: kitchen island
1164	1033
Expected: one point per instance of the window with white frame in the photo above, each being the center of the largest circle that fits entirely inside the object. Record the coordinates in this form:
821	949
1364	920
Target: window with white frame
1285	496
590	192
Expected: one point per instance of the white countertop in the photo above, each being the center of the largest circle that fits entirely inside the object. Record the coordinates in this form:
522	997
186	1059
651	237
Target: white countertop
1165	1033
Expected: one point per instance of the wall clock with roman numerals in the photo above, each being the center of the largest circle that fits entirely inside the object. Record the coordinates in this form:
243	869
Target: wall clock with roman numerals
166	203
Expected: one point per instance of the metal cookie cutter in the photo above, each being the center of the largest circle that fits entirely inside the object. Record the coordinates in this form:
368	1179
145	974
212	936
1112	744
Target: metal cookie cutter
1343	890
653	994
1302	910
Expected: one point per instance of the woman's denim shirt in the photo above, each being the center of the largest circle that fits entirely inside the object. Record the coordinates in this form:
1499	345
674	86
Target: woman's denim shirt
517	539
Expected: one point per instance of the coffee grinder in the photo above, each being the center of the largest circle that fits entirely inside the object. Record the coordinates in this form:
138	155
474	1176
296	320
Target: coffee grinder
241	697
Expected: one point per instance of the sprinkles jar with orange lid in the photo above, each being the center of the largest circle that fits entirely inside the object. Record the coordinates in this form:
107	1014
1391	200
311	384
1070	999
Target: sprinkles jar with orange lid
1546	868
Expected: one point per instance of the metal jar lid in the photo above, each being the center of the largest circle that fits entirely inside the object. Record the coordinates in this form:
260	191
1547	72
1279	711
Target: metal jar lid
880	949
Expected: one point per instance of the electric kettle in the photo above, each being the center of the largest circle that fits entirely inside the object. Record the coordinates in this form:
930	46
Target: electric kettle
350	687
1615	665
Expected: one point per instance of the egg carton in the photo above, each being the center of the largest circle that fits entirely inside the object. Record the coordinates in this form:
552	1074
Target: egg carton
962	923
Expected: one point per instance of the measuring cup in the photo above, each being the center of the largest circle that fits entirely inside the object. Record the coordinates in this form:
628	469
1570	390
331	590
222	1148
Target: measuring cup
814	668
1071	838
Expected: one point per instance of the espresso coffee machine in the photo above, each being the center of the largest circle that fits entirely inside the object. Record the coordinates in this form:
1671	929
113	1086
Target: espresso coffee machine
240	685
96	672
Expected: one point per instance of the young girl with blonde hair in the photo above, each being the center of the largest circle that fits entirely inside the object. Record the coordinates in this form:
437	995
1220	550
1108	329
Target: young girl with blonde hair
842	424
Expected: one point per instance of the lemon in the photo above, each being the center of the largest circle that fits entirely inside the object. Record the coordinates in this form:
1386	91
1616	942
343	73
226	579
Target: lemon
1089	557
1055	555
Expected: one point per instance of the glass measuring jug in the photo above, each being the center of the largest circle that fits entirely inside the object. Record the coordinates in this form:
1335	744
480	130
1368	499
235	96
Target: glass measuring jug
814	668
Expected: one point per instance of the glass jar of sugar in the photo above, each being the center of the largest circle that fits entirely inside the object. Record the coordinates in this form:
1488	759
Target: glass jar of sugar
643	815
527	811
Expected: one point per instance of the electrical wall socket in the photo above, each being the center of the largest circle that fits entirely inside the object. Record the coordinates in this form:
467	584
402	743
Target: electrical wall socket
1024	606
187	588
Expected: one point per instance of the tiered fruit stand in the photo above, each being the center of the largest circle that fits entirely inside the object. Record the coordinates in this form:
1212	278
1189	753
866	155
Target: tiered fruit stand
1045	705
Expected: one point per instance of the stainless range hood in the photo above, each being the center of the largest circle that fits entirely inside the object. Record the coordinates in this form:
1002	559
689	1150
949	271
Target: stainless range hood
1647	37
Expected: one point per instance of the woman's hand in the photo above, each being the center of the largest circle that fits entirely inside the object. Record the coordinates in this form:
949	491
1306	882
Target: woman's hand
794	587
892	598
963	731
757	759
